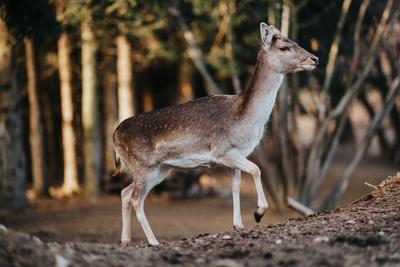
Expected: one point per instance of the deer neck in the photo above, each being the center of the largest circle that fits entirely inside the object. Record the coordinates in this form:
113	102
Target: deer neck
259	97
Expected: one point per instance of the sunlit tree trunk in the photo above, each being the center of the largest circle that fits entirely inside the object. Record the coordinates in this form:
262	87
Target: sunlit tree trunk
124	71
148	103
92	147
70	184
185	90
110	114
283	132
12	159
36	137
271	14
70	181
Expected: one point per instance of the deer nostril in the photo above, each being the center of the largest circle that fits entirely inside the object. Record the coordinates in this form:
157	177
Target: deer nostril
315	59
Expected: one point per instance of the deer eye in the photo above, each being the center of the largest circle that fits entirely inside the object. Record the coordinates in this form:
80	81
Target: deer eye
284	48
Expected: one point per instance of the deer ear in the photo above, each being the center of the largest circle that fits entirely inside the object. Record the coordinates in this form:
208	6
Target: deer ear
266	34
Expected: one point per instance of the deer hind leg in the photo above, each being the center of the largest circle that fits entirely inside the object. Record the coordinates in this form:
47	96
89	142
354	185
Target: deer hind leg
142	188
237	218
234	159
126	195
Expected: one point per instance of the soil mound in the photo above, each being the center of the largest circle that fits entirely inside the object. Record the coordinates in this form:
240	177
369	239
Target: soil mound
364	233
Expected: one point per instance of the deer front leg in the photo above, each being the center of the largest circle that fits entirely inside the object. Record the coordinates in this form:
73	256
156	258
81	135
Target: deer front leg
234	159
126	195
237	218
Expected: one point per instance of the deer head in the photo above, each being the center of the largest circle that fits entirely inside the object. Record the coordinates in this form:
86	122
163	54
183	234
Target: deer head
282	54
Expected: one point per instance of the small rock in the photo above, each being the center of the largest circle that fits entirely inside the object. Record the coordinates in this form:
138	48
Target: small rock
321	239
214	236
381	233
36	240
278	241
91	258
200	261
176	248
61	261
350	222
3	228
226	263
199	241
370	222
209	251
226	237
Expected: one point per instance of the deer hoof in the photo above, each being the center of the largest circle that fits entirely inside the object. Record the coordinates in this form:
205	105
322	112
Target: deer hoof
257	217
154	244
238	227
125	243
258	214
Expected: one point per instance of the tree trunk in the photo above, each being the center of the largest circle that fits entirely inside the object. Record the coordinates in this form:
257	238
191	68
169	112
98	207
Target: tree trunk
341	185
110	116
92	147
124	71
70	184
36	137
383	143
12	158
194	52
70	180
185	74
148	102
334	49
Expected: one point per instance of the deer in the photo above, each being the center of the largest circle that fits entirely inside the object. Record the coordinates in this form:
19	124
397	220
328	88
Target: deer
213	130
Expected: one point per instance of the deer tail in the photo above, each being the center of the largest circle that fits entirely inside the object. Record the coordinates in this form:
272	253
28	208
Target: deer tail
118	165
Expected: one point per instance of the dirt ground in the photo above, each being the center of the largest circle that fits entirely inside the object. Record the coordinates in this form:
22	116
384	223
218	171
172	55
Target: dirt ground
365	233
99	220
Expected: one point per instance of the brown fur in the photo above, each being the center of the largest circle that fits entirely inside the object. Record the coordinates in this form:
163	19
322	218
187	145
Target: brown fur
206	121
221	129
211	116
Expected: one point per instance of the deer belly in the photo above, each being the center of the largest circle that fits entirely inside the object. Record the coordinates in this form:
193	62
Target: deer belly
191	161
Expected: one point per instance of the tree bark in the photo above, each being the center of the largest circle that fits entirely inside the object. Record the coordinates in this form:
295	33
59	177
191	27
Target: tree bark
194	52
383	143
316	149
334	49
341	185
229	51
92	147
283	138
70	183
110	115
126	106
36	137
185	89
12	158
148	102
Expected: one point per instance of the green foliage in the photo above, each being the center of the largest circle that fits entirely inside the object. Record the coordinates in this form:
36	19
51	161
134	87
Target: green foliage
145	24
122	8
155	35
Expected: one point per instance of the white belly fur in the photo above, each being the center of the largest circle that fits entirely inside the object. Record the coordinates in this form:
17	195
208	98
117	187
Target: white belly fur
191	161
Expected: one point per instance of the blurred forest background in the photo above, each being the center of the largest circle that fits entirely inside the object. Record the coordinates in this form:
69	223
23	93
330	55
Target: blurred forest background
71	70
